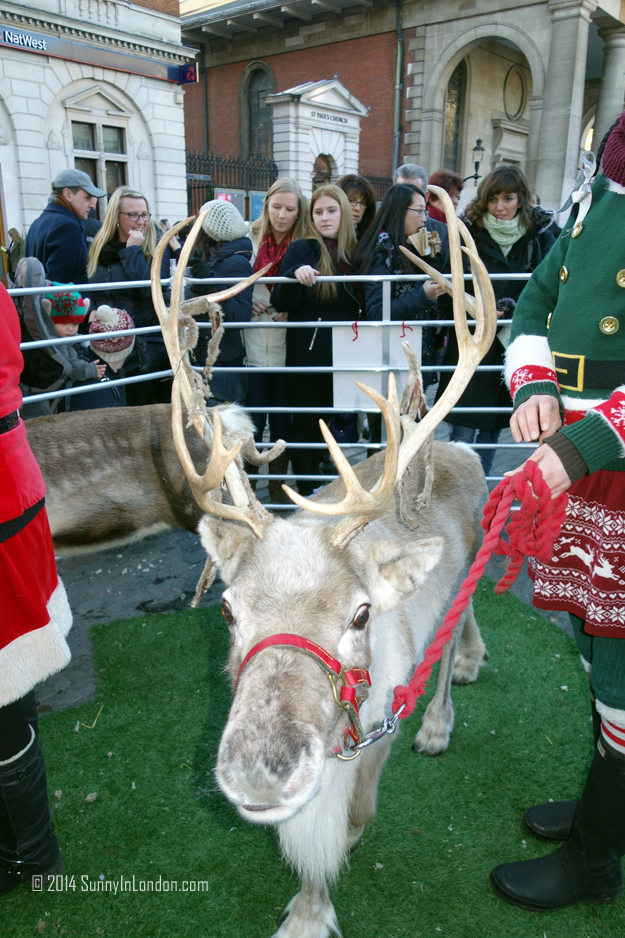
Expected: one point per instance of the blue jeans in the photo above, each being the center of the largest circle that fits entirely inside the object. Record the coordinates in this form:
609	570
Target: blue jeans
458	434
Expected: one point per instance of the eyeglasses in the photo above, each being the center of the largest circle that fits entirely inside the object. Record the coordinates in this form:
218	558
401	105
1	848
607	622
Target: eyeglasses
135	216
419	212
357	202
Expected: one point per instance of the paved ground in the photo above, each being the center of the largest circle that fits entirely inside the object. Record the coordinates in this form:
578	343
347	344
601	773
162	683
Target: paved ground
159	574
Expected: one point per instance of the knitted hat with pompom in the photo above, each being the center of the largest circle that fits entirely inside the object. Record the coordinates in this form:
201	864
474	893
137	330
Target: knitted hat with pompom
108	319
66	307
224	222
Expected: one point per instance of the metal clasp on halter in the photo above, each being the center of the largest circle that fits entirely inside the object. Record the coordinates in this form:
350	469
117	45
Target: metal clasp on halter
389	725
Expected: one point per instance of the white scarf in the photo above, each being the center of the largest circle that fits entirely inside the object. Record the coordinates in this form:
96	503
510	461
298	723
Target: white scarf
505	232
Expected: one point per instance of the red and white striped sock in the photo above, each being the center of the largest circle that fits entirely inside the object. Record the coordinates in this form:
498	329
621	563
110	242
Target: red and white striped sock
614	735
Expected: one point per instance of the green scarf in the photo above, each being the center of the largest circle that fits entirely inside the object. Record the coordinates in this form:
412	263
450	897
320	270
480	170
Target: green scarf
505	233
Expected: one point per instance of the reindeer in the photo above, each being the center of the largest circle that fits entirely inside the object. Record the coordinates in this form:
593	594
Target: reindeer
332	608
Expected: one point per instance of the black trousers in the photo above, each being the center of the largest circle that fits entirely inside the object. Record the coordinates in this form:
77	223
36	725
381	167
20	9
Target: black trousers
15	722
308	391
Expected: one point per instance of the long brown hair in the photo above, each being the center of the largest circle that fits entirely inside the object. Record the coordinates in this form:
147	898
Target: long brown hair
262	225
109	228
346	239
505	178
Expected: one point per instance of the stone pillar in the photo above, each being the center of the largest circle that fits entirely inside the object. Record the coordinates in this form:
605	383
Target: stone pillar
612	90
561	121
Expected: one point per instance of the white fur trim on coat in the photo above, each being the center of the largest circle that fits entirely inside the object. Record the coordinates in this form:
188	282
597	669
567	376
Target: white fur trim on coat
33	657
616	187
579	403
527	350
614	716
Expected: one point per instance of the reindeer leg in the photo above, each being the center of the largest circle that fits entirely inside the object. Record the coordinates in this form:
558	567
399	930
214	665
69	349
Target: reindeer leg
438	720
471	653
309	914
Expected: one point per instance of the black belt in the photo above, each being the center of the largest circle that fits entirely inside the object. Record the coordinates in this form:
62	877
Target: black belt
9	422
15	525
578	373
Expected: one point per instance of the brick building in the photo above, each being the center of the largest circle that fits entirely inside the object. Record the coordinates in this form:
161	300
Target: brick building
92	84
529	78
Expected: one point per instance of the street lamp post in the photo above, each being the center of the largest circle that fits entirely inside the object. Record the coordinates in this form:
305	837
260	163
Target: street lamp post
478	156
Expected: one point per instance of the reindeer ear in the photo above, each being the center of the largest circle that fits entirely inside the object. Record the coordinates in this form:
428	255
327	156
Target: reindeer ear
398	568
225	542
46	305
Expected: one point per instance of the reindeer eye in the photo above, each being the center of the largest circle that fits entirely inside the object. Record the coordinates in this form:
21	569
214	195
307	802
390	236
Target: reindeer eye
361	618
226	612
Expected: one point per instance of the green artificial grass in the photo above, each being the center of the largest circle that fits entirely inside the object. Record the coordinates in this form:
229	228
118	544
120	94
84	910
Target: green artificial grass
422	868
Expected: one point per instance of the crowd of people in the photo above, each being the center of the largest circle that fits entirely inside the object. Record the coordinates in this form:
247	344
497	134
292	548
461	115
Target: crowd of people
341	230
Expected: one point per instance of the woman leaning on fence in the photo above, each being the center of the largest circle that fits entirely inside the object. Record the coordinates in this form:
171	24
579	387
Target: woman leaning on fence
283	220
122	251
326	250
505	227
565	367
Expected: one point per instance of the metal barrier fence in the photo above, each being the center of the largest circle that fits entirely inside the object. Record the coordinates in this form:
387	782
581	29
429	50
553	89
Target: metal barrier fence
382	369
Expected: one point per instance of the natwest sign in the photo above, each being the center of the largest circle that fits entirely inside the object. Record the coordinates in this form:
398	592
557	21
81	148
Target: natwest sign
97	55
24	39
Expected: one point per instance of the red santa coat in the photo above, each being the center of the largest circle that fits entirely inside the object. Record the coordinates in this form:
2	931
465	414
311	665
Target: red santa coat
34	613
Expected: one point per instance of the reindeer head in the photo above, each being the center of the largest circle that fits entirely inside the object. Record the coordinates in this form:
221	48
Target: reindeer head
331	579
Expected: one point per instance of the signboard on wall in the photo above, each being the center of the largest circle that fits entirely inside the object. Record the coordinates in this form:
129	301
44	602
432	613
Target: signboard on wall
43	44
257	200
235	196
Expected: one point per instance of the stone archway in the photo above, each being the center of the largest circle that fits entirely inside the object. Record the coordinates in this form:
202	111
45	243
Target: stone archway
435	86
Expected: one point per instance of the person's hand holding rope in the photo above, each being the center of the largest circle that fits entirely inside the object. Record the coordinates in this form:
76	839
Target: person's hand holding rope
536	419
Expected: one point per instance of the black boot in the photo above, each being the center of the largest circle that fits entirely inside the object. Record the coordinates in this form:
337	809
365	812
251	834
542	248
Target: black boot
276	493
553	821
27	845
588	867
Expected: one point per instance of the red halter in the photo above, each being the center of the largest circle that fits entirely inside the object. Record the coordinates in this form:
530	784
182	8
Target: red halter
349	688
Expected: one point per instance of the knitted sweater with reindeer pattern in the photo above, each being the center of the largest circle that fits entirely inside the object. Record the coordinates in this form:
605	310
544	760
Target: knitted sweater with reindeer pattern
568	335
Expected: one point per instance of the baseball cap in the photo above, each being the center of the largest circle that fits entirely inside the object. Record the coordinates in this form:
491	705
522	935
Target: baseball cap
70	178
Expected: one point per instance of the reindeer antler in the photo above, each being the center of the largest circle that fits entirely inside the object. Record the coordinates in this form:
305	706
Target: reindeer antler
187	385
362	506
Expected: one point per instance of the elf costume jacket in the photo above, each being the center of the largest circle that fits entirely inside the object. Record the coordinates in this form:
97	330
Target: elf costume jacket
568	340
34	613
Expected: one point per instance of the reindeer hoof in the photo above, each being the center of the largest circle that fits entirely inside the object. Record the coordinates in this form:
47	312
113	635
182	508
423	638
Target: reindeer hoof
467	667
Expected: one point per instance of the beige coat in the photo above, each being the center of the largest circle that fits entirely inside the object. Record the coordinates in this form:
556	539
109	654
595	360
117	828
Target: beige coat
264	347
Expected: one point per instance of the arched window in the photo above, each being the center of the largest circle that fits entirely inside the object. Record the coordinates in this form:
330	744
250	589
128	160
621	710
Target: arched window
260	125
454	102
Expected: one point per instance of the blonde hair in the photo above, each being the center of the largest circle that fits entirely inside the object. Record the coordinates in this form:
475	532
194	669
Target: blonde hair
109	228
346	239
262	225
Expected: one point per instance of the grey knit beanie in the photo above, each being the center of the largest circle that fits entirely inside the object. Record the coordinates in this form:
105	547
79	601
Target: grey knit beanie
223	222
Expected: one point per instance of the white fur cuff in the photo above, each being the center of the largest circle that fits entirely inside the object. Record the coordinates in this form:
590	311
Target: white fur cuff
527	350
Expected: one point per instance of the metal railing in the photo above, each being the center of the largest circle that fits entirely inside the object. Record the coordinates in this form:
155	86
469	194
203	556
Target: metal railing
208	171
385	368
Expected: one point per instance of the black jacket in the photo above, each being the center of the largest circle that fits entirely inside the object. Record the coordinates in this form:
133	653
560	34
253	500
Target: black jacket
302	305
57	239
232	259
487	389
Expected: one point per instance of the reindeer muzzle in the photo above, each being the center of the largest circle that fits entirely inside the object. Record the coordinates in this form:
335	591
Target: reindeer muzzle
349	687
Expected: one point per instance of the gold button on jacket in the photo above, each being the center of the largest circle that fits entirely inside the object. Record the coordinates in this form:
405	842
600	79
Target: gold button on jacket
577	230
609	324
564	274
620	278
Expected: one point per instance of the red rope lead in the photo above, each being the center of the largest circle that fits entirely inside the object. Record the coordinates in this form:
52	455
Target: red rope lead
531	533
